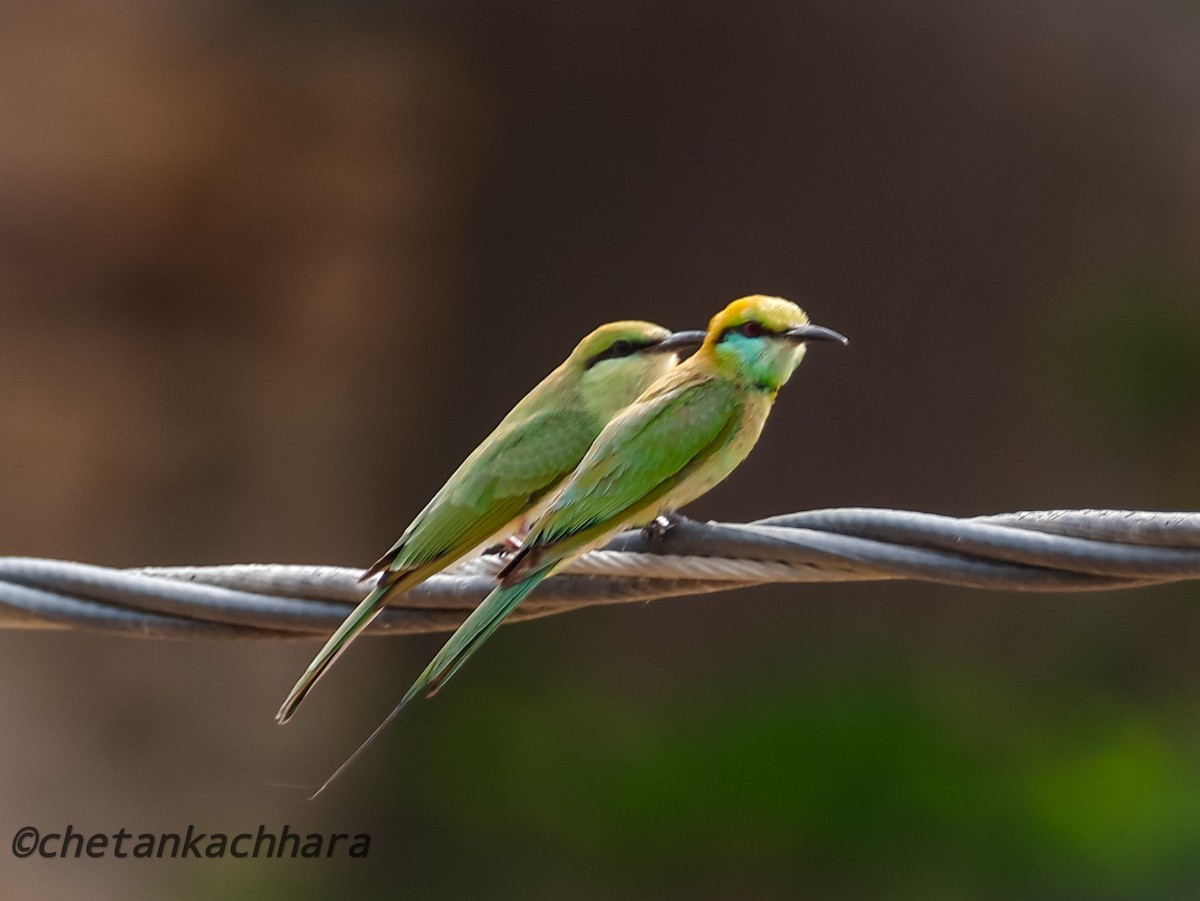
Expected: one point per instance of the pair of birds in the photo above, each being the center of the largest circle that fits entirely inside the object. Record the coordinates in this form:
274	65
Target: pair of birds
617	436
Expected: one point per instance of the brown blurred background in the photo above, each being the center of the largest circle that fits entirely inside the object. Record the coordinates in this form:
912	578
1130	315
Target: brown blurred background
267	271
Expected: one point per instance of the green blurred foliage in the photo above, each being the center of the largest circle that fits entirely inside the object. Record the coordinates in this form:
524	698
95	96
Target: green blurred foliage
876	784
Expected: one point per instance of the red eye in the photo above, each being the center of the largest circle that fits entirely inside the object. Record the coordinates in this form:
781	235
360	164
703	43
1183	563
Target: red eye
752	329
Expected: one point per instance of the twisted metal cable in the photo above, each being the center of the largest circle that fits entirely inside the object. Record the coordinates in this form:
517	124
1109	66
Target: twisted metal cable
1057	550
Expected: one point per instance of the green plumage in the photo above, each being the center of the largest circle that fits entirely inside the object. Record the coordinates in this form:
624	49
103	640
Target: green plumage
688	432
644	454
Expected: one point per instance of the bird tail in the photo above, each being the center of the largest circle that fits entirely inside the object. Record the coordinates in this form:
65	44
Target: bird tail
352	626
483	621
475	630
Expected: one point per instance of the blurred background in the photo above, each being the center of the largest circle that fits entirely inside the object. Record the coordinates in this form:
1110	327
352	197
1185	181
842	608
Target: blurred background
268	271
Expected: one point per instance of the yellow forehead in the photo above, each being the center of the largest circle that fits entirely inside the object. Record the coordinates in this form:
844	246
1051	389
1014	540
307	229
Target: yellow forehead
632	330
775	313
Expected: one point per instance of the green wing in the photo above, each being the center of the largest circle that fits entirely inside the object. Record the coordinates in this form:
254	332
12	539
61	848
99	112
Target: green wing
510	471
643	454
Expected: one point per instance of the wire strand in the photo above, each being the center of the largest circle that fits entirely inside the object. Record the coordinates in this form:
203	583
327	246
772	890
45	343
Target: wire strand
1055	550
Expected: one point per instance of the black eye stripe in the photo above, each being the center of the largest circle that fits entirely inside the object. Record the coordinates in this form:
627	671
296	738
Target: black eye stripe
620	348
751	329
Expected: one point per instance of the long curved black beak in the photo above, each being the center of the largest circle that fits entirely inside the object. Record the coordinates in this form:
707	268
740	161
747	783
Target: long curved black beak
677	343
810	332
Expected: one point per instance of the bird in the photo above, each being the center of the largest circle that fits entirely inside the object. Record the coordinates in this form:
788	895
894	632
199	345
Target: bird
500	486
684	435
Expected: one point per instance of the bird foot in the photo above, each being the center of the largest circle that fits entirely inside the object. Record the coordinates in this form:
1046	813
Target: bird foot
657	528
509	545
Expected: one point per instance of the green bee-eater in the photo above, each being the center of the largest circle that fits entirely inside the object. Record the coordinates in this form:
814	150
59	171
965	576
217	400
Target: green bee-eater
517	467
685	434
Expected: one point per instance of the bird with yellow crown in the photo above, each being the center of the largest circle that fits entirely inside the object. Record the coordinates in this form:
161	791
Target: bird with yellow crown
683	435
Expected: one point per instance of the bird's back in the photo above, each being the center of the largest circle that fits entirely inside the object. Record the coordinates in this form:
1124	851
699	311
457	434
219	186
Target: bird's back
527	455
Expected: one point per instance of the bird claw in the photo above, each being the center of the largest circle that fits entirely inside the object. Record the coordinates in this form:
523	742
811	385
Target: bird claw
509	545
657	528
